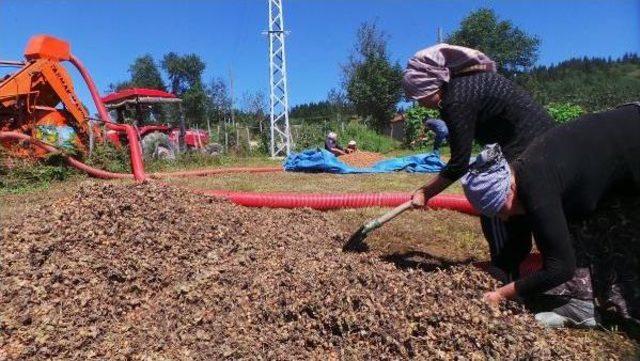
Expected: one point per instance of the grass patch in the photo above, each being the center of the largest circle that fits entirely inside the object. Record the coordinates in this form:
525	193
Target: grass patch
16	202
194	160
19	176
312	182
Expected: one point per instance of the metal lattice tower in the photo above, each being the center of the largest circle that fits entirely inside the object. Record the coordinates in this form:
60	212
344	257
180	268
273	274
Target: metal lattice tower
280	132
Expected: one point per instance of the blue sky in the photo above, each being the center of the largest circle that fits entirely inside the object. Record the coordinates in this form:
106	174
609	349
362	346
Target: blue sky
108	34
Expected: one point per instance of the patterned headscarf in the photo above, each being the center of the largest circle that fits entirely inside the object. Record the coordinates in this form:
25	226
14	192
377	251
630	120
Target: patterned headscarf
487	183
429	68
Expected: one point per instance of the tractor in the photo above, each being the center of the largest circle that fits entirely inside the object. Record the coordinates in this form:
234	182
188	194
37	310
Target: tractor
148	110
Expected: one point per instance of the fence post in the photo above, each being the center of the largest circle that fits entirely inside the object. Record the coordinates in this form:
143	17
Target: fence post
91	140
248	139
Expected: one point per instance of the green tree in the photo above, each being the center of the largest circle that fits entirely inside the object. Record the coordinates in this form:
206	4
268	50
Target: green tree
255	105
511	48
145	74
372	82
194	105
184	72
115	87
185	77
219	100
414	125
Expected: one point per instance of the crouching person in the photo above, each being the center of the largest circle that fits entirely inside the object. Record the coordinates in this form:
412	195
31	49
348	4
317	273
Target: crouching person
331	144
352	147
576	191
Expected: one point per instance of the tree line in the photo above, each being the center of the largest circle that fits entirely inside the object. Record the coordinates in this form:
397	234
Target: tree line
592	83
371	80
202	102
370	84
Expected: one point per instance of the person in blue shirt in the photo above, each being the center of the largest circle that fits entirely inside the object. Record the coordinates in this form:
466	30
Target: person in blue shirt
439	128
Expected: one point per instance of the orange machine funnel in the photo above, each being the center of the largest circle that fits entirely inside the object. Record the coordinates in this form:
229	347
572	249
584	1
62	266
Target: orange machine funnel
47	47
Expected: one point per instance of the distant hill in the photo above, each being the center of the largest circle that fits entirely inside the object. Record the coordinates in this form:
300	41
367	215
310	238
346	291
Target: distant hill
593	83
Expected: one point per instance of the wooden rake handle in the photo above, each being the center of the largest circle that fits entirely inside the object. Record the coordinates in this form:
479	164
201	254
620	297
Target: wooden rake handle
378	222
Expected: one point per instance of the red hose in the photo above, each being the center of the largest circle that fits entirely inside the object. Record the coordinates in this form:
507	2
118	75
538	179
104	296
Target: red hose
98	173
134	146
337	201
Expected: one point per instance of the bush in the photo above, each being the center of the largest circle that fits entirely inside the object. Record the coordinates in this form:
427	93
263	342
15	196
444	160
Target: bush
108	157
414	127
27	174
367	139
307	136
564	112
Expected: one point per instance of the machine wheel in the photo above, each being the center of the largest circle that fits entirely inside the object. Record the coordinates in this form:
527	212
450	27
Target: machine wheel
156	145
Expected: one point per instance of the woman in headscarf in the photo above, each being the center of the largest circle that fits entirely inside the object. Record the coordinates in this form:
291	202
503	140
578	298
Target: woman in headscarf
477	104
576	189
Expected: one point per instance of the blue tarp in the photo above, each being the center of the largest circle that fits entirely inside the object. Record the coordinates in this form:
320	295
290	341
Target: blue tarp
320	160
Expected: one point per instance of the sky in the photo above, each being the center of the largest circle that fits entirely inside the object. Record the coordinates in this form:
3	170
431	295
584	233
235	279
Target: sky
107	35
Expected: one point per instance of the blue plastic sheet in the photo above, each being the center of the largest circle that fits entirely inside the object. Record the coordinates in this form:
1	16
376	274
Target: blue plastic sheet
322	161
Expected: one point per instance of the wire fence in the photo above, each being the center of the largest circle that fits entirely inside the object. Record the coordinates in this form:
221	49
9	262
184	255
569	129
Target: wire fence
254	139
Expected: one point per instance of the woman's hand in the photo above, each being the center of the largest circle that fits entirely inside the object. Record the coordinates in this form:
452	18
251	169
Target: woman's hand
506	292
418	200
493	298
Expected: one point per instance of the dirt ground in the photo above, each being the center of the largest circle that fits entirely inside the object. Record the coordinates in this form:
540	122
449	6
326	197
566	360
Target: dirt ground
145	272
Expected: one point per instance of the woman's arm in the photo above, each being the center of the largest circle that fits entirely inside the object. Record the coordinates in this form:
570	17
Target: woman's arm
552	236
506	292
461	121
432	188
551	233
337	151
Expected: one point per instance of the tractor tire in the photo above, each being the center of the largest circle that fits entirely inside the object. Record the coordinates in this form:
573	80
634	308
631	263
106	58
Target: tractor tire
156	145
